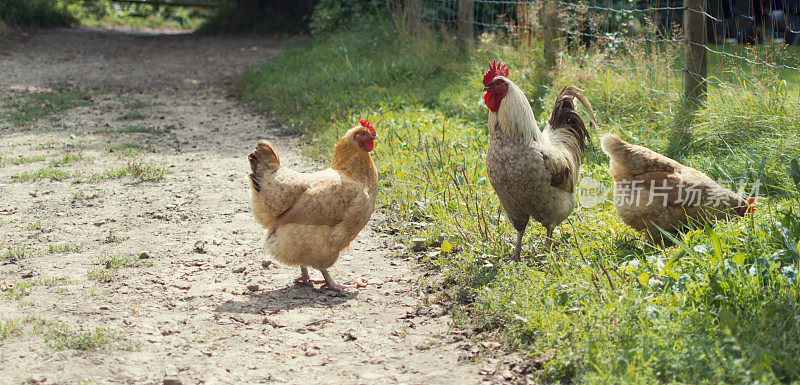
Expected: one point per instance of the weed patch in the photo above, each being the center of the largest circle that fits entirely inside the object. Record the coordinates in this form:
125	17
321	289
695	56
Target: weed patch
62	337
63	248
20	289
139	171
24	110
45	173
13	254
66	159
21	160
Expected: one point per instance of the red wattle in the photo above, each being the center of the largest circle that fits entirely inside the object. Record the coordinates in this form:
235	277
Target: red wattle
368	145
492	101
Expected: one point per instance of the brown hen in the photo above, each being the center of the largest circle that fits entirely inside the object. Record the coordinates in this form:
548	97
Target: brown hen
311	217
652	190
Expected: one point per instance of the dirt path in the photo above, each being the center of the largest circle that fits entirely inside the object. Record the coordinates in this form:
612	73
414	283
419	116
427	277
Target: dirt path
112	274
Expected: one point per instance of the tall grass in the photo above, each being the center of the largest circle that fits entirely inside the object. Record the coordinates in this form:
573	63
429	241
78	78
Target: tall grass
718	304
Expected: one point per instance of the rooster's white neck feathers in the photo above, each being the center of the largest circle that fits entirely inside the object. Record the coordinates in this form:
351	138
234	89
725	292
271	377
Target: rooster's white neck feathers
515	116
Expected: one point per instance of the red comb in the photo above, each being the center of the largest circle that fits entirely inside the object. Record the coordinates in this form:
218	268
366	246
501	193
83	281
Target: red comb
365	124
496	68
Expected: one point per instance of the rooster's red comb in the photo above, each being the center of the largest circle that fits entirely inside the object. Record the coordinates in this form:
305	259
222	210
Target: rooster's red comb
496	68
365	124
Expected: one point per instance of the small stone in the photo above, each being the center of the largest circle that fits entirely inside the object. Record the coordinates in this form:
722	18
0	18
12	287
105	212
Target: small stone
252	287
200	247
172	381
266	264
349	336
145	255
239	269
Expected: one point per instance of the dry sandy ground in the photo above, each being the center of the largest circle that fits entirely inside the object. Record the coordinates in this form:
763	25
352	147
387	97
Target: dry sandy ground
81	305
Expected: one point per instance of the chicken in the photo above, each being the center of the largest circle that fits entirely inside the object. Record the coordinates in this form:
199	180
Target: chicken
652	190
311	217
533	172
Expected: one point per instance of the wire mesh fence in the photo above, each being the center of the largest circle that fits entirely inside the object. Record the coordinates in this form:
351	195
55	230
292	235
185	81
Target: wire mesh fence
676	48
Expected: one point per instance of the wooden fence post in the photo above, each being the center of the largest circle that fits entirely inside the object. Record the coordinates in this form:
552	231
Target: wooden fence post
694	52
550	35
413	11
466	20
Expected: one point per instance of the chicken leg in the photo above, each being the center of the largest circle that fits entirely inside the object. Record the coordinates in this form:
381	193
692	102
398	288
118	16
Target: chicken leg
331	284
518	247
548	238
304	278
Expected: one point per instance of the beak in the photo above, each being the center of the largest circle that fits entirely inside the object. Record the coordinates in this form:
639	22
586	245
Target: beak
486	88
375	137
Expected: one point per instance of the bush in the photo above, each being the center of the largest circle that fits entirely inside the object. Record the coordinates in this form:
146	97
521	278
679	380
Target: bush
333	15
34	13
261	16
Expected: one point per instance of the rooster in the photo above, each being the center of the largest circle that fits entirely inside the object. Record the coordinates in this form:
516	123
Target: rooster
652	190
533	172
311	217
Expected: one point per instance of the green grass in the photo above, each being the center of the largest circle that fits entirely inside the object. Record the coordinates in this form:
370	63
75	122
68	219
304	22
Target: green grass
61	337
22	288
110	265
137	170
66	159
13	254
126	150
34	226
110	237
21	160
26	109
715	305
132	115
41	174
123	260
136	128
63	248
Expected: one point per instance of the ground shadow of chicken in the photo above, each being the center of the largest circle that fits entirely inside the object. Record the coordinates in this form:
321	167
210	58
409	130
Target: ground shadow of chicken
285	298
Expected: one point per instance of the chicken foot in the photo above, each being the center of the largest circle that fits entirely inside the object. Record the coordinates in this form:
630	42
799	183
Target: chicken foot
304	278
330	284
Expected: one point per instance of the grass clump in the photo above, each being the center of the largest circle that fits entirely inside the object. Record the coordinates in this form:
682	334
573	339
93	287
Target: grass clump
26	109
63	248
22	288
44	173
110	265
132	115
62	337
714	305
66	159
123	260
21	160
34	226
125	150
13	254
137	170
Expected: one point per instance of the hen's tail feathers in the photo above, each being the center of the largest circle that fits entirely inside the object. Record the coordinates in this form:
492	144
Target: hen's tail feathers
565	116
263	158
635	159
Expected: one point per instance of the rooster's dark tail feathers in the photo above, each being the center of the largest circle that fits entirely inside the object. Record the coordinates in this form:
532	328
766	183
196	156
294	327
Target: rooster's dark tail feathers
564	115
